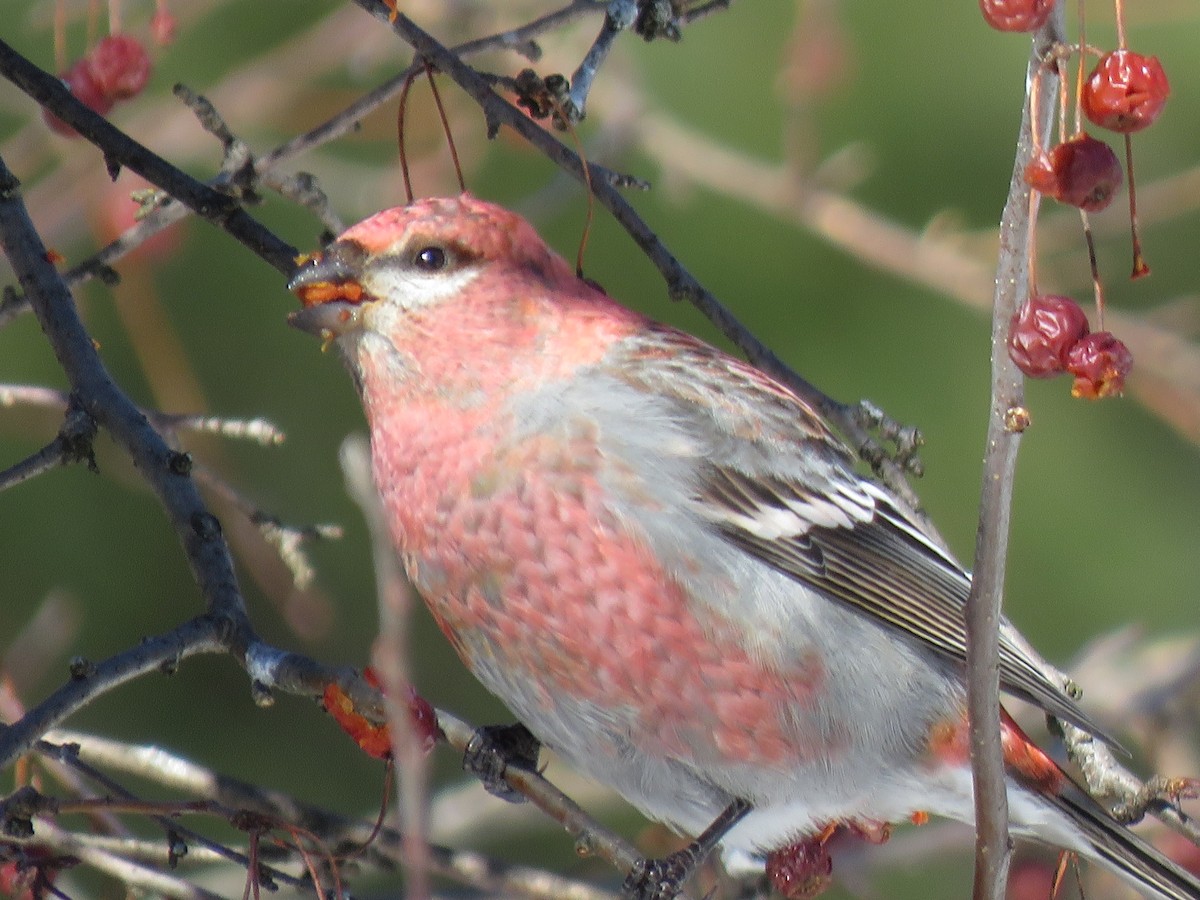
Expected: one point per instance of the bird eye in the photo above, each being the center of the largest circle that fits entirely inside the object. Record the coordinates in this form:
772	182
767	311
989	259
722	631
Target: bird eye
430	259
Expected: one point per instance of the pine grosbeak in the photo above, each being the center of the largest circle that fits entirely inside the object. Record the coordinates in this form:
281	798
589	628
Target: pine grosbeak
662	560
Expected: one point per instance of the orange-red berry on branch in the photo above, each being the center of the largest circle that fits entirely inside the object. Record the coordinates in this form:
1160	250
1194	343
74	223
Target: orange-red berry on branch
802	870
1100	364
120	65
1016	15
1042	333
1082	172
1126	91
373	739
117	68
81	82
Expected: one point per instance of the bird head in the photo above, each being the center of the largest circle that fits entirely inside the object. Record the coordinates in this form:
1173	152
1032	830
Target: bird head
417	257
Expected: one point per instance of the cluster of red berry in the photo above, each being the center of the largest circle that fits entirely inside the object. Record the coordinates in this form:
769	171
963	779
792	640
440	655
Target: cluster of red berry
1125	92
116	68
1050	335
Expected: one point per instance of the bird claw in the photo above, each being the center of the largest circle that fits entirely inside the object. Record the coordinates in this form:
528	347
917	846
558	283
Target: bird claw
1160	791
661	878
493	749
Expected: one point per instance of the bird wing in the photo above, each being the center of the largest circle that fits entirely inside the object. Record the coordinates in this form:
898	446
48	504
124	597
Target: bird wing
780	486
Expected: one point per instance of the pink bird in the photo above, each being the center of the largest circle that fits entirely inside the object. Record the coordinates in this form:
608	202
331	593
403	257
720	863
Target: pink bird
664	562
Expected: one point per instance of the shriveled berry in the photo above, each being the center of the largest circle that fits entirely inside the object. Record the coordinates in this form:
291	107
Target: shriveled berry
1043	332
1082	172
1126	91
81	82
1100	364
1016	15
120	66
1040	174
371	738
802	870
424	720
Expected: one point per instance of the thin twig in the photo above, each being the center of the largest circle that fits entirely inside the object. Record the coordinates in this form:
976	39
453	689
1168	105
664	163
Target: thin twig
287	540
257	430
1006	421
390	659
197	530
177	773
200	635
69	755
621	15
122	151
340	124
132	874
38	463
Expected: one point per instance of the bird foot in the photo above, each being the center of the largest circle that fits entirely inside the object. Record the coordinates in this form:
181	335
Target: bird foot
662	878
1160	791
493	749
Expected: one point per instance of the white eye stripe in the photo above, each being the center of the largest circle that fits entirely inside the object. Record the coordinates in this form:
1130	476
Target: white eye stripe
411	288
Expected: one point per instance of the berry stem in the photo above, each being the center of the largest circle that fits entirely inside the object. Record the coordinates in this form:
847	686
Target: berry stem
400	111
1140	267
1060	67
114	16
437	99
1082	56
1036	139
1119	7
93	22
1097	284
1035	202
587	182
60	35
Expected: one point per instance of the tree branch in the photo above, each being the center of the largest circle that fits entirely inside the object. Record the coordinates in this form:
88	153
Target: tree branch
1005	423
121	150
98	395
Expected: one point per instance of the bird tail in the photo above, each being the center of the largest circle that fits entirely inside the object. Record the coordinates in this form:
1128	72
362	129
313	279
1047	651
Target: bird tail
1110	843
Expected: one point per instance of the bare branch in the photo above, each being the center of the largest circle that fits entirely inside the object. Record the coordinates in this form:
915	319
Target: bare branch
258	430
1006	421
177	773
390	657
68	754
620	15
287	540
118	866
519	40
120	150
72	445
200	635
97	394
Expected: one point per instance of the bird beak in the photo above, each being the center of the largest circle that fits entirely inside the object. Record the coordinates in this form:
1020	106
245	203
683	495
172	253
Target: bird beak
328	286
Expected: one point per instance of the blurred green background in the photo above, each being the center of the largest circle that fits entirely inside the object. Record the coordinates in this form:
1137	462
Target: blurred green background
908	109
